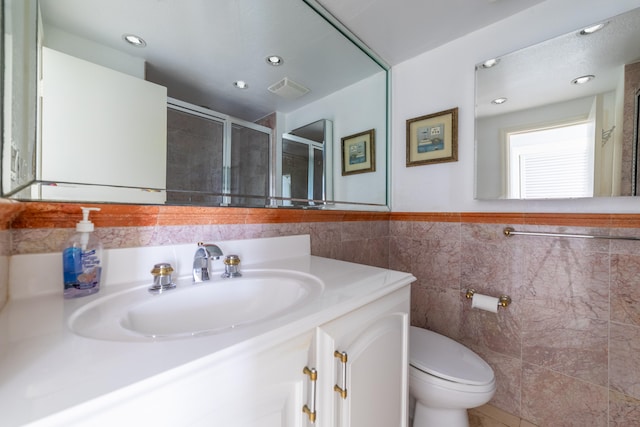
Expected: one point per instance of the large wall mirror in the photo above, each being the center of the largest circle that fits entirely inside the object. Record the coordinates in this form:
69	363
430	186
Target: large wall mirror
188	103
560	119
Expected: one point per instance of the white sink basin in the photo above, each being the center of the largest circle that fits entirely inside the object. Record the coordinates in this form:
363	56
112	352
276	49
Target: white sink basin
193	310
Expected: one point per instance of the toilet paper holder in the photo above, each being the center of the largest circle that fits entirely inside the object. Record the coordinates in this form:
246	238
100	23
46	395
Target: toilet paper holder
503	300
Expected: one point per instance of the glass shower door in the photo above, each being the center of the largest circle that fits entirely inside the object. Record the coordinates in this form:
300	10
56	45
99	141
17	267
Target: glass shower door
249	167
195	155
214	160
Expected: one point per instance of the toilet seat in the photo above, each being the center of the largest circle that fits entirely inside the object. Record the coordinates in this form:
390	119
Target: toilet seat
447	359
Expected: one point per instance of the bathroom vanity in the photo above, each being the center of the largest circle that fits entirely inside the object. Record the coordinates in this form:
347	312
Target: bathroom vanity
327	347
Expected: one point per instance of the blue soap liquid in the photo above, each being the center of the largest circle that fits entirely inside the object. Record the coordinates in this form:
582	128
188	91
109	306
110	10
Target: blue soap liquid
81	272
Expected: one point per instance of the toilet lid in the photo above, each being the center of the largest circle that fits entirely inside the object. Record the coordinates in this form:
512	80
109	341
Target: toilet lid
445	358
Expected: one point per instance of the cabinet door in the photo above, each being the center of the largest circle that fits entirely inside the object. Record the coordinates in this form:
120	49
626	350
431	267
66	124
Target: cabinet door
265	390
252	386
368	351
101	127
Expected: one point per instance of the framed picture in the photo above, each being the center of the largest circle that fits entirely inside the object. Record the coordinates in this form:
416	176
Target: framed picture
359	153
433	138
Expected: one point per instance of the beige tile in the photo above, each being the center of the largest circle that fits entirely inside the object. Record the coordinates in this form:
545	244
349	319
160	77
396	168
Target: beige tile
485	233
438	310
566	245
499	332
401	251
624	411
378	251
478	419
439	231
437	263
552	399
508	372
625	359
491	268
568	280
4	280
567	343
497	414
355	251
625	289
356	230
400	228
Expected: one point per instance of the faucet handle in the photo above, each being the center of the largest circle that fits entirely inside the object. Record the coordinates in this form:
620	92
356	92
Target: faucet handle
231	266
161	278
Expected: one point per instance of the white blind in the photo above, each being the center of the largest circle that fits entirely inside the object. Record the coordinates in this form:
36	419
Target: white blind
560	175
553	163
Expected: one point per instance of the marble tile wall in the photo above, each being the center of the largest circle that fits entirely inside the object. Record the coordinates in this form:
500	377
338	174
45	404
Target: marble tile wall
364	242
8	211
5	247
566	352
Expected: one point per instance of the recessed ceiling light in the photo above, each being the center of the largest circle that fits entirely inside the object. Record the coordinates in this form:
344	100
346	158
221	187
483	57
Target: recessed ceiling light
499	101
134	40
490	63
241	84
583	79
274	60
592	29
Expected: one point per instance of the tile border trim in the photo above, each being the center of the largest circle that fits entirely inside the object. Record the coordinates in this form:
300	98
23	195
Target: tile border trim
31	215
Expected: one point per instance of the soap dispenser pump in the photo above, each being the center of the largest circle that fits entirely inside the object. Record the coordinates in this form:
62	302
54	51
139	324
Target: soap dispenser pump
81	259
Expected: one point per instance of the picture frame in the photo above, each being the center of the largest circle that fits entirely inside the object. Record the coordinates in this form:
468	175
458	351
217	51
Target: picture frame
433	138
359	153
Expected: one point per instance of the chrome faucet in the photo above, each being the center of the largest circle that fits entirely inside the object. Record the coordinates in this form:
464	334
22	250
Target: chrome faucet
205	253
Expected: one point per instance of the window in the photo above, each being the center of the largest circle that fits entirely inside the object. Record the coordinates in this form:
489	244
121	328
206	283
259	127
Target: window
551	163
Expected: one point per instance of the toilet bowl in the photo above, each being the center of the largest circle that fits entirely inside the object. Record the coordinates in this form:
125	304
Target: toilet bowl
445	379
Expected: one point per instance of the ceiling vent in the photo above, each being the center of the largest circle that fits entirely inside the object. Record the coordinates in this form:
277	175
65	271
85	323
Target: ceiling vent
288	89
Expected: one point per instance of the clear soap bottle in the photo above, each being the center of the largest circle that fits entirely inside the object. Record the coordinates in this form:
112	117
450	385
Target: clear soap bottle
82	260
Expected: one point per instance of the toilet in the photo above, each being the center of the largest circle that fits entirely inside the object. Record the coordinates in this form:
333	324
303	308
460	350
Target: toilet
445	379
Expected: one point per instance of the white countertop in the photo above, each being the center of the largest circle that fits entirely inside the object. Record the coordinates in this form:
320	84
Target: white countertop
47	370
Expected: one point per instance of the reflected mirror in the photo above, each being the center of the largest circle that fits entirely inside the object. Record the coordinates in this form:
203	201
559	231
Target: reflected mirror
118	120
559	119
306	165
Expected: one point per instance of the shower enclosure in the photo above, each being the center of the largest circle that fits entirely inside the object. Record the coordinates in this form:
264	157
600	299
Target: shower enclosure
215	159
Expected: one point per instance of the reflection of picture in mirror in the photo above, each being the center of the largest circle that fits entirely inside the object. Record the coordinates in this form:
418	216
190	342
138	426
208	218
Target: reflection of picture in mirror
358	153
430	138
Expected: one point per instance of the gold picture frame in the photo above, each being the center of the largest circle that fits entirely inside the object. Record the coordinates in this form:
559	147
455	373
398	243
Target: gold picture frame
433	138
359	153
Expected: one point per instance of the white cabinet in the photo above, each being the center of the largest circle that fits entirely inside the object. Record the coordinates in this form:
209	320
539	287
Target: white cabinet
263	390
361	360
248	387
264	385
100	127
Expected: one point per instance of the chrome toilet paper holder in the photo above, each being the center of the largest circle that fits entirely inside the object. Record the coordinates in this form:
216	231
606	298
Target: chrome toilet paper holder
503	300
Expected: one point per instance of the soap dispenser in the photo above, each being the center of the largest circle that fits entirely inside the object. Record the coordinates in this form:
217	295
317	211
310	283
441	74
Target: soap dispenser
81	259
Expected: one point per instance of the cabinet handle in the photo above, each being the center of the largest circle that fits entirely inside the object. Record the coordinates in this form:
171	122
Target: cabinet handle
313	377
342	391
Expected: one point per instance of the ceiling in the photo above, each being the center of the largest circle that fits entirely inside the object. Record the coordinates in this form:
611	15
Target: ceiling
197	49
398	30
542	74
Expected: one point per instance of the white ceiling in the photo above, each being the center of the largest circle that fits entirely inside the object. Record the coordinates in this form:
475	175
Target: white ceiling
199	48
542	74
398	30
